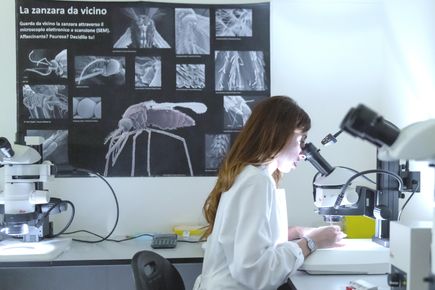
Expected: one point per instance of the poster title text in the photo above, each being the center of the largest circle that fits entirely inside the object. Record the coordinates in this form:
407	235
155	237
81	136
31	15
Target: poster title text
62	11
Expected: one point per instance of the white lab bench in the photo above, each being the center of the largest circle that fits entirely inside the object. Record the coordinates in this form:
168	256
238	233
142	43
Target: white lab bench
304	281
106	266
99	266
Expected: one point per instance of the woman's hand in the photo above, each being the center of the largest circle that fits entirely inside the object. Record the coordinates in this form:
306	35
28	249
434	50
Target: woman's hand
327	236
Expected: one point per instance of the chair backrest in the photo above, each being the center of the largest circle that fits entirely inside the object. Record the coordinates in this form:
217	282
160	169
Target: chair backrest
154	272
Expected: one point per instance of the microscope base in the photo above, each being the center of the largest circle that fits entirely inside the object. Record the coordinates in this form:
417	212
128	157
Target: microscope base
358	256
45	250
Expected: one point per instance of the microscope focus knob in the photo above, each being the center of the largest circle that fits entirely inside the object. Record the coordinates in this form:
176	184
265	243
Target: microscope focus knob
382	212
396	280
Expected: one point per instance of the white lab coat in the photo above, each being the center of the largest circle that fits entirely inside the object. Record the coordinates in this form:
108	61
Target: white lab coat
248	248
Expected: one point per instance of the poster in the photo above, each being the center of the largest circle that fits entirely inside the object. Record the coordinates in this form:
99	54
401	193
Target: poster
139	88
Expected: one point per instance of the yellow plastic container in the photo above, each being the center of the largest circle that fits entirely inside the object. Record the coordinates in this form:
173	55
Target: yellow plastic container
359	227
189	231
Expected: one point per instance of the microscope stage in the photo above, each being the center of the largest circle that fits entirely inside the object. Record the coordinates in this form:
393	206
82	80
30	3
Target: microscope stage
358	256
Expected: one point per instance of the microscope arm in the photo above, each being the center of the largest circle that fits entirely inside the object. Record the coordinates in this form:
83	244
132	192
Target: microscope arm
364	206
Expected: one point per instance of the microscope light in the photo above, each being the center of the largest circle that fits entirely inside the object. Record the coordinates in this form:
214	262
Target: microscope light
23	249
16	250
16	230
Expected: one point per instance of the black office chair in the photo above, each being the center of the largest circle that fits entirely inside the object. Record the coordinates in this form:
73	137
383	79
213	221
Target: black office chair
154	272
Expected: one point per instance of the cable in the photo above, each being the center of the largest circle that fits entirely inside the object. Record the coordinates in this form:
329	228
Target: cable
41	219
73	211
84	231
117	210
192	242
348	182
355	171
101	238
131	238
110	240
344	167
407	201
348	168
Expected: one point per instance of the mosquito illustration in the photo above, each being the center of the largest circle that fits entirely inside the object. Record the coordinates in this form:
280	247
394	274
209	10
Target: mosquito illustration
45	67
150	117
142	32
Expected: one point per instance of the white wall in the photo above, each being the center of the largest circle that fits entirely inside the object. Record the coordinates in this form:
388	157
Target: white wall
328	55
8	107
410	80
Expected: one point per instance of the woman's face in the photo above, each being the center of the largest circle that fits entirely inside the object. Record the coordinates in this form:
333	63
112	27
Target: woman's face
288	157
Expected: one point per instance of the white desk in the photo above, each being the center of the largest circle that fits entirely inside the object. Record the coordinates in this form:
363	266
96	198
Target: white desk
112	254
112	251
101	266
304	281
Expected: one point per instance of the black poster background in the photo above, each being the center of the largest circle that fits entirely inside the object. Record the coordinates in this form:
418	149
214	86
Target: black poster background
77	74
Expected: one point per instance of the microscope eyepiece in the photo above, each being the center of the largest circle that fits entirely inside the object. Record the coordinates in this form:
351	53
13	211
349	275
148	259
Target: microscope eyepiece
312	154
6	148
366	124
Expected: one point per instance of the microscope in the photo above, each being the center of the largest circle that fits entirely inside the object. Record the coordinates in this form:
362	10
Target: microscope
336	196
410	243
25	205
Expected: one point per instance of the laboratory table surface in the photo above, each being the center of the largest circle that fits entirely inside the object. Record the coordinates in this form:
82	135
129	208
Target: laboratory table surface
112	253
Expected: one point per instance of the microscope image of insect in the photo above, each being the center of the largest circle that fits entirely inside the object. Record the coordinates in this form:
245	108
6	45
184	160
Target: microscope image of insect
148	72
46	101
142	31
99	70
216	147
190	76
240	71
54	146
192	31
40	63
234	22
150	117
237	111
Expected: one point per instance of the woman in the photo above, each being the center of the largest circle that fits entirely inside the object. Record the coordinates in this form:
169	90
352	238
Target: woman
248	243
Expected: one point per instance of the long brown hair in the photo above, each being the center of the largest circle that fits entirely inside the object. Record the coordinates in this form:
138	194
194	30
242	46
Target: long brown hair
271	124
